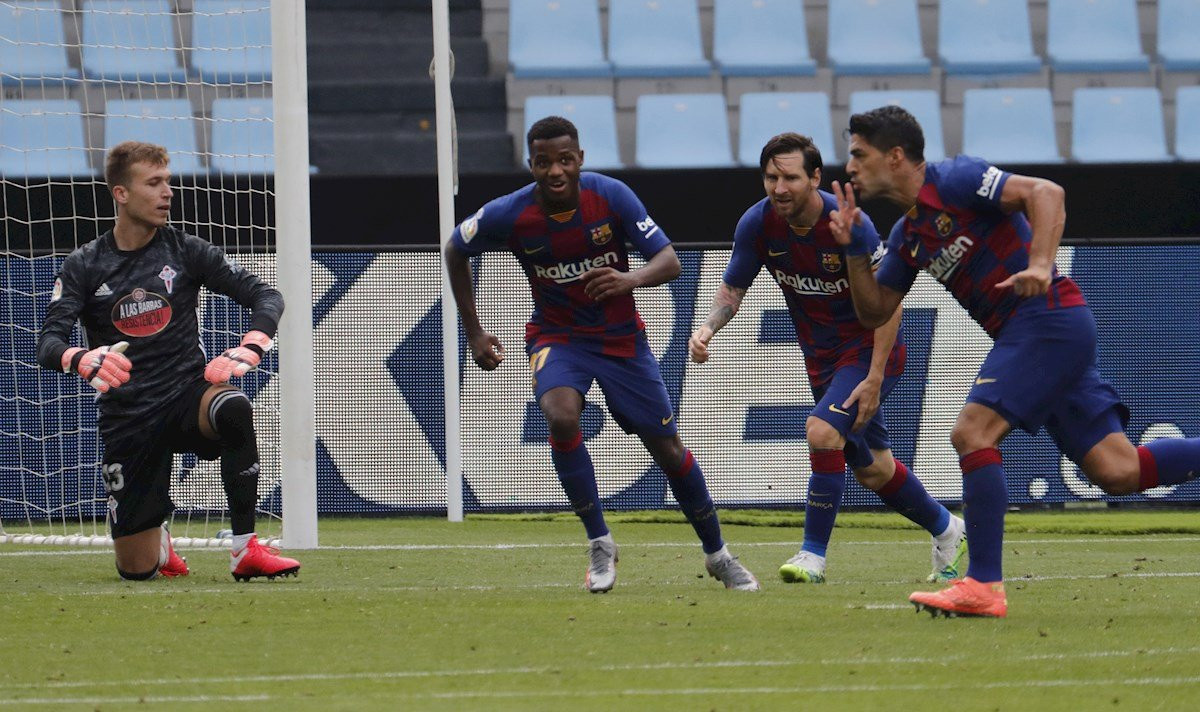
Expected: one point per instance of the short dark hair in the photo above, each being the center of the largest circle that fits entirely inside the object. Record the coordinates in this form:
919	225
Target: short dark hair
890	126
122	156
791	142
550	127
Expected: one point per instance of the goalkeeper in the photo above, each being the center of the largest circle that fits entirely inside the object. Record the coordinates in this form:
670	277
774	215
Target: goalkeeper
135	290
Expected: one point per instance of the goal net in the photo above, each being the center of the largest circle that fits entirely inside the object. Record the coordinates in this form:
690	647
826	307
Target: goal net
80	76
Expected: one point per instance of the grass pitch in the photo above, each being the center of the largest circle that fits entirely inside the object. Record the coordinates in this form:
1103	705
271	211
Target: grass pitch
490	614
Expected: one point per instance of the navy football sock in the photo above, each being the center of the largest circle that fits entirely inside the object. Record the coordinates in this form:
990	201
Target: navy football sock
687	484
825	487
574	467
232	416
985	497
905	494
1168	461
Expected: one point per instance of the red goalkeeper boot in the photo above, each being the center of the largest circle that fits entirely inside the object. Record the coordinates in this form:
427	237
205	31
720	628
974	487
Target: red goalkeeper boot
176	565
259	560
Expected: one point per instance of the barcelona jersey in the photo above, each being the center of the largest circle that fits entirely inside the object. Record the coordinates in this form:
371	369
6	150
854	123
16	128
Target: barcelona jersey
810	267
958	233
555	251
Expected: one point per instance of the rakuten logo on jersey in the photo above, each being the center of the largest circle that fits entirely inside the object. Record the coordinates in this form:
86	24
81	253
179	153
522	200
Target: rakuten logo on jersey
810	286
942	266
567	272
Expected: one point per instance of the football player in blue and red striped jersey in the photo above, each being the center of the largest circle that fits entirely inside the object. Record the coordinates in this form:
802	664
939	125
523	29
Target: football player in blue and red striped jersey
990	237
851	369
568	230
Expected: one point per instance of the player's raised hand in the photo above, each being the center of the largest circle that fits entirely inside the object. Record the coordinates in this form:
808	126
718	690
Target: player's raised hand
1029	282
240	360
600	283
847	215
866	395
104	368
698	344
486	350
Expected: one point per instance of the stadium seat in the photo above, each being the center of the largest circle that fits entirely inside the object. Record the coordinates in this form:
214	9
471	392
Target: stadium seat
1187	123
1112	125
1178	30
761	38
1005	47
594	116
130	41
532	22
682	131
31	44
1094	36
167	122
42	138
655	38
1010	125
875	37
766	114
243	136
231	41
924	105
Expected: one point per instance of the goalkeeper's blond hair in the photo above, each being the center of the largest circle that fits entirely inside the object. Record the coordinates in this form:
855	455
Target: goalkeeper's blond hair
127	153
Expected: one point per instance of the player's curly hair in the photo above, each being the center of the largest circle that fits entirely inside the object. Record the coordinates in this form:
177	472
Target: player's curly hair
890	126
127	153
550	127
791	142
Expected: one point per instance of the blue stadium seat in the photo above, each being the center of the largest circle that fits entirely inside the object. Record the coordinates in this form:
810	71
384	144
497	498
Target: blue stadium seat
167	122
1094	36
1111	125
130	41
655	38
875	37
533	23
243	136
31	44
767	114
594	116
42	138
231	40
761	38
1010	125
682	131
1178	30
1187	123
924	105
991	37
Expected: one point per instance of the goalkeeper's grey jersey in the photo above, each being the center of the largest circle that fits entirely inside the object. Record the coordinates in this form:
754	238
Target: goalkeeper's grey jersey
148	297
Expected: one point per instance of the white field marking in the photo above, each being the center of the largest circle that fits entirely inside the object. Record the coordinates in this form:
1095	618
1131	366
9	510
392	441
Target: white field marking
93	701
540	670
831	689
1130	539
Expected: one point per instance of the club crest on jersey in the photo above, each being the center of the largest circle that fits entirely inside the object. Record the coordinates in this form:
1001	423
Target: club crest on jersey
168	275
141	313
601	234
944	224
831	262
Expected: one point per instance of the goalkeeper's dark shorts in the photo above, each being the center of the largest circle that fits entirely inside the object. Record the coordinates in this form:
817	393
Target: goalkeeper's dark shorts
138	458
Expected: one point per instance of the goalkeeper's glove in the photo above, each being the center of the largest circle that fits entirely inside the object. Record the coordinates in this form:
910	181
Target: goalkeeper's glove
105	367
238	361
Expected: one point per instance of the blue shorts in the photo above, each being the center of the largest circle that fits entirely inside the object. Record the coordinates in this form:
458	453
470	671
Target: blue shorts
1042	372
874	435
633	387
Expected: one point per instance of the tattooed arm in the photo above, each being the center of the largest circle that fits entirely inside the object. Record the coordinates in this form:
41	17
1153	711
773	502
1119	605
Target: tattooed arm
725	305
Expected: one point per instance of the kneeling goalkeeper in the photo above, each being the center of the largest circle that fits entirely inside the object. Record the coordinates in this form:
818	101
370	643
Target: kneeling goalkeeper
135	291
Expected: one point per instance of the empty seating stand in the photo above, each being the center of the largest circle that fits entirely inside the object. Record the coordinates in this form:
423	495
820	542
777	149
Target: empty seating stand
131	41
1010	125
655	47
1110	125
166	122
231	41
243	137
594	116
1094	43
986	44
766	114
42	138
33	51
876	44
682	131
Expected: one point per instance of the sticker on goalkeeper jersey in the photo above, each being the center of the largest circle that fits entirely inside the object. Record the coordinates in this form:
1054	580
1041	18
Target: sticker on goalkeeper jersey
168	275
470	226
141	313
56	293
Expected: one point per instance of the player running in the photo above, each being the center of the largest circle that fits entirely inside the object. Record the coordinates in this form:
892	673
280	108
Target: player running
135	290
850	369
568	231
990	237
